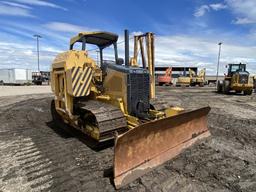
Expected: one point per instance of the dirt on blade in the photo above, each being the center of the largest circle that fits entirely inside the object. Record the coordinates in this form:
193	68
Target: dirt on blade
38	156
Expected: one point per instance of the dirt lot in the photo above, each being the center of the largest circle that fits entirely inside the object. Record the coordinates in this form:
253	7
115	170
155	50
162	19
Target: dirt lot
37	156
23	90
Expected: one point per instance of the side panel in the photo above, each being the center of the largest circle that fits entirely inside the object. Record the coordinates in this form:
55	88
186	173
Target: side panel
79	81
52	81
20	74
183	81
63	101
29	75
11	76
115	84
4	75
132	85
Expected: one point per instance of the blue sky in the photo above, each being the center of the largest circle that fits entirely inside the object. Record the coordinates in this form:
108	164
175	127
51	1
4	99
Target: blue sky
187	31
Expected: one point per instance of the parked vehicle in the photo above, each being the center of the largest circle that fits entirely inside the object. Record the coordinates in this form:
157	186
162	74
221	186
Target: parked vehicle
165	79
237	79
15	76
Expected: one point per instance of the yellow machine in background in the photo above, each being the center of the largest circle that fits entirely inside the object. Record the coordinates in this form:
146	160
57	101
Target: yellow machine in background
237	79
116	101
183	81
197	79
192	79
254	83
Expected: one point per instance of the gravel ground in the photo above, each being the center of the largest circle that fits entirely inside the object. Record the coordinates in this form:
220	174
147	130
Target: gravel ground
23	90
37	156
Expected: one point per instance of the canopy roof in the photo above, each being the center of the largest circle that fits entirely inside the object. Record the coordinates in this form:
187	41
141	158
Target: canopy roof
99	38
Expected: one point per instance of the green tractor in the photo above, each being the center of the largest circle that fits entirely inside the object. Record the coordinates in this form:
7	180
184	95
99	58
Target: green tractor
237	79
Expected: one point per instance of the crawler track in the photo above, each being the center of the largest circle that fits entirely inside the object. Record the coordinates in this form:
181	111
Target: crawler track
108	118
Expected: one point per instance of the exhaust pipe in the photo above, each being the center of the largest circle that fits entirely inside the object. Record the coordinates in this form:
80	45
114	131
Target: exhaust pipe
126	46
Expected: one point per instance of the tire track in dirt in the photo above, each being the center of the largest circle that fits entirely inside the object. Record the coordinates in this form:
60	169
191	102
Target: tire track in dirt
37	156
62	166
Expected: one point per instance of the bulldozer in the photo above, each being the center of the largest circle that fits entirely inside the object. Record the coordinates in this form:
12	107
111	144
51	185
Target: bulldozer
183	80
192	79
237	79
197	79
115	100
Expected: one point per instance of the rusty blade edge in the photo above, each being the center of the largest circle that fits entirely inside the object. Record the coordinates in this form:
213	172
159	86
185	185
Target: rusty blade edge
161	152
176	119
140	170
134	137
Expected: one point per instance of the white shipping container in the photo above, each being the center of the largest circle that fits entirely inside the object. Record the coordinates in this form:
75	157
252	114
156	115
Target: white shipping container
29	75
15	76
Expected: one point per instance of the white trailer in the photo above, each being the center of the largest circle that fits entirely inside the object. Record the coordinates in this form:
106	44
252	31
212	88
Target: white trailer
15	76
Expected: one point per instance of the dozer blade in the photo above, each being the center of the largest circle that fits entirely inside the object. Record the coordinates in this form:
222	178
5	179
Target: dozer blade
143	148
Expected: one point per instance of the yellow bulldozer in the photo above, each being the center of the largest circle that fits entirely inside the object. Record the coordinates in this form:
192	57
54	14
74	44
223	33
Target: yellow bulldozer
197	79
115	100
192	79
237	79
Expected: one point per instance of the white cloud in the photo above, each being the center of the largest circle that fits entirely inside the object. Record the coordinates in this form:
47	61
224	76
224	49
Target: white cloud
40	3
28	30
175	50
187	50
14	11
136	33
243	21
218	6
23	7
197	51
66	27
244	10
23	55
16	55
16	4
201	10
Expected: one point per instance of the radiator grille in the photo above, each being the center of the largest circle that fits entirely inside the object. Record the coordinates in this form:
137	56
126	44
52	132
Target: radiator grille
138	91
243	78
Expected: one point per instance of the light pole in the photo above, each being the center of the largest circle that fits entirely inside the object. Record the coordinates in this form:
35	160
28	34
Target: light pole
218	65
37	42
